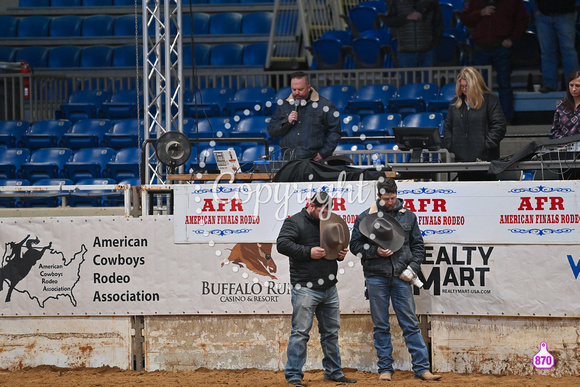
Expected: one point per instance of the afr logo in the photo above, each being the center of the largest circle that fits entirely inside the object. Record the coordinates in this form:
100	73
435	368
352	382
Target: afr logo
575	266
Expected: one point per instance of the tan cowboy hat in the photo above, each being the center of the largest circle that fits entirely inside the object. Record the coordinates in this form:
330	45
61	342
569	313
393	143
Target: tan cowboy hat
334	235
384	230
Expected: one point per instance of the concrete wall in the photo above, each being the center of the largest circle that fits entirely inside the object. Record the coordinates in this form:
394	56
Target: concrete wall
488	345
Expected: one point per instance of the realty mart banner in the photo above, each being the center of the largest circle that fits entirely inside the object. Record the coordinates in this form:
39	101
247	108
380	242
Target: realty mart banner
448	212
515	253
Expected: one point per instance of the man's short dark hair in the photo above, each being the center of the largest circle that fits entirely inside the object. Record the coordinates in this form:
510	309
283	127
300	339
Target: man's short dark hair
321	199
387	185
300	74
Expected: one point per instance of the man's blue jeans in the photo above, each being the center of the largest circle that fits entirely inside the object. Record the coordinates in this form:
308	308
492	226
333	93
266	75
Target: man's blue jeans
306	303
381	290
501	61
560	29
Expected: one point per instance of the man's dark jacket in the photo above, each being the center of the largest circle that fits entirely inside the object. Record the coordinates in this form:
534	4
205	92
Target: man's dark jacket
298	235
317	130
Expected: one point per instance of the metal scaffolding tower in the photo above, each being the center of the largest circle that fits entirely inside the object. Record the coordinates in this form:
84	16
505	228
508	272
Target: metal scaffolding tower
162	79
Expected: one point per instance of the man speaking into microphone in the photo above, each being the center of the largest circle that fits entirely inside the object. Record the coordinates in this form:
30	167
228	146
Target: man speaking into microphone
308	123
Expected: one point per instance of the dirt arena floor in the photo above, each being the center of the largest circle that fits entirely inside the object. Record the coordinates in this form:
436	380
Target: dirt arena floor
106	376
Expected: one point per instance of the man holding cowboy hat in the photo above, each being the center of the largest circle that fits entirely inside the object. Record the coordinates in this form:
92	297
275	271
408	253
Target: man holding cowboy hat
314	239
388	240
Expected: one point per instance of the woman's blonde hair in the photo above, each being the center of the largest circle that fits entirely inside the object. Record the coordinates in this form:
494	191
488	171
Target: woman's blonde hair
476	87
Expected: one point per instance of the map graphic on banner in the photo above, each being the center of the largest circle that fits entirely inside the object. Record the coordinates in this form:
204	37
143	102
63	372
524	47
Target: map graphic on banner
41	272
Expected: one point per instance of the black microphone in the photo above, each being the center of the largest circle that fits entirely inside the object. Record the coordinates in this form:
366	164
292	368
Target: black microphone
296	104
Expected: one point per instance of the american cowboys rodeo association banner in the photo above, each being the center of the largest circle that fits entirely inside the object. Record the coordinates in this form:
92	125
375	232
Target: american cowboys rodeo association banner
217	254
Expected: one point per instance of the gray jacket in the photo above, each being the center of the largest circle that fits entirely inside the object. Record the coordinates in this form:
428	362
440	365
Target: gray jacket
411	254
416	36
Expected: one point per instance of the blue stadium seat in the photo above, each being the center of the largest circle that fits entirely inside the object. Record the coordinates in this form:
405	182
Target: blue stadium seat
250	154
412	98
11	132
201	53
444	98
88	163
45	134
124	25
97	3
7	54
35	56
339	95
208	102
204	130
451	15
87	133
374	49
350	124
283	93
97	56
46	163
64	56
8	26
84	104
11	161
379	124
256	127
371	99
125	165
342	149
223	1
226	54
123	104
34	3
65	26
255	54
65	3
212	127
252	101
12	202
91	197
344	36
33	27
127	56
361	18
53	200
200	24
225	23
425	120
125	3
98	25
125	134
328	54
257	23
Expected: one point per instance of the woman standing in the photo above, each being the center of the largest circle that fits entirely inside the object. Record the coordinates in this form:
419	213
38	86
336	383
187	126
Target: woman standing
567	115
475	123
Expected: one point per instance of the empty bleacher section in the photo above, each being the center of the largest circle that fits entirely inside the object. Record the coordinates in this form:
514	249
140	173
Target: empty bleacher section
85	78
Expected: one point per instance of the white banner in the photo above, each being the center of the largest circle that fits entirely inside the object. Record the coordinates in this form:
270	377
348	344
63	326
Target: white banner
128	266
448	212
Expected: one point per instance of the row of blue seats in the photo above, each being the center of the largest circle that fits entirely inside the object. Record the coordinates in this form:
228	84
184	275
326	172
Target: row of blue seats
105	56
72	26
368	99
120	3
261	101
91	133
53	163
80	198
